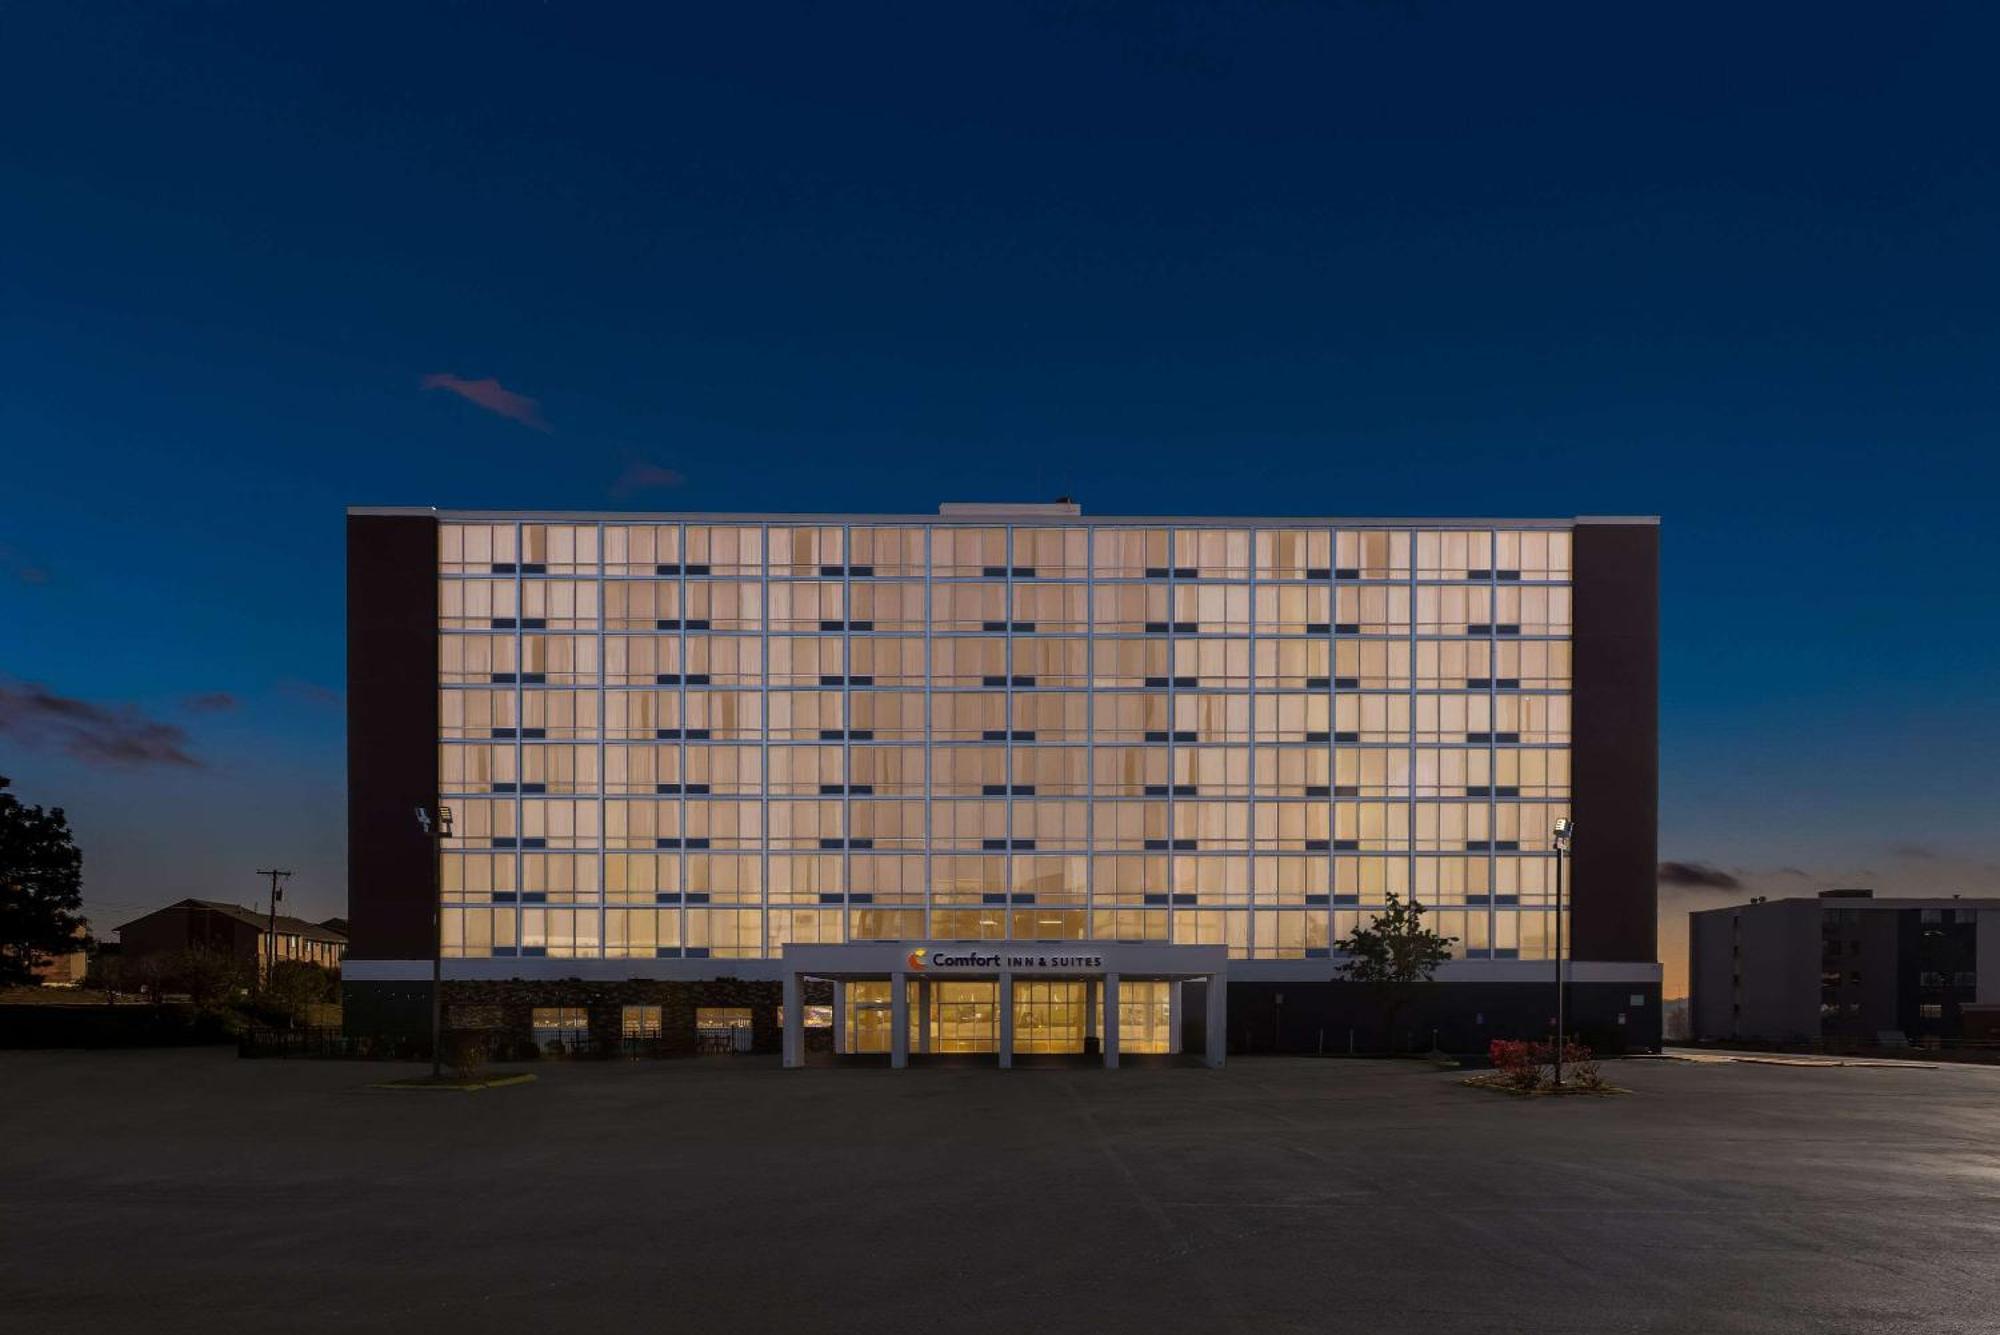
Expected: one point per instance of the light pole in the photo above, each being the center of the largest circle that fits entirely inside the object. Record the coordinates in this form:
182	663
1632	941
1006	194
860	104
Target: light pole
1564	828
439	830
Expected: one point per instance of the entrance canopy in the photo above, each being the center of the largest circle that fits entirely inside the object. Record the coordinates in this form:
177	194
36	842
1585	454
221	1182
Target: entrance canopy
915	965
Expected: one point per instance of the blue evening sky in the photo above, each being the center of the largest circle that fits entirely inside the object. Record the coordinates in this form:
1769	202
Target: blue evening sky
1733	265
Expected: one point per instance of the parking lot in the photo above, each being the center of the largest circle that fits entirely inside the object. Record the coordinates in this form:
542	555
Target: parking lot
188	1190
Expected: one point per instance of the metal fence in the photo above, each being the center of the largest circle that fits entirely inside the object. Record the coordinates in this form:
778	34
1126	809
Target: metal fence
263	1041
309	1042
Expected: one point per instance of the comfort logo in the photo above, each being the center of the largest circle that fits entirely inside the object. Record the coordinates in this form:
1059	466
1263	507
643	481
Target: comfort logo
917	957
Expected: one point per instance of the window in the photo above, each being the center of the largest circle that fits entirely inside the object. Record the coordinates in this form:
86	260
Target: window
721	1019
561	1028
641	1022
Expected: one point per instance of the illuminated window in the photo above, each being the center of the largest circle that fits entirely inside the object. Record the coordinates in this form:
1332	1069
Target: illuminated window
561	1028
724	1019
641	1021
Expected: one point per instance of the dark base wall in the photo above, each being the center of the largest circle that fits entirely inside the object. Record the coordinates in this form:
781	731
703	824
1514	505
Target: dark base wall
1311	1017
389	1012
503	1012
1465	1016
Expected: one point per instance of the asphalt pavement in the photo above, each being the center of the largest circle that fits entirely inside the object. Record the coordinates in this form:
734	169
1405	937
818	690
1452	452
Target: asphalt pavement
189	1190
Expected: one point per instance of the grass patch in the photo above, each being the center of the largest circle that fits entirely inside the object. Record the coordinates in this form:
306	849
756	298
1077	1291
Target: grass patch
454	1084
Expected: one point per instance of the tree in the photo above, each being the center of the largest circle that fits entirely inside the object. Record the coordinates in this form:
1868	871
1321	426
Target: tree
147	975
41	888
210	977
107	973
295	985
1395	955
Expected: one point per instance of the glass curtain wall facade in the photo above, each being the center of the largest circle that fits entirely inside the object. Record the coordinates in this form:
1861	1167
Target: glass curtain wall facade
707	739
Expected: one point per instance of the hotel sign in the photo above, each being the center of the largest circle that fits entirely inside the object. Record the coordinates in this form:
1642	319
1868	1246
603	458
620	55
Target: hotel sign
949	959
975	958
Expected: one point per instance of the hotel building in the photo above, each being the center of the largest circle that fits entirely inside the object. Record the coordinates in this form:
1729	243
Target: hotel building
730	759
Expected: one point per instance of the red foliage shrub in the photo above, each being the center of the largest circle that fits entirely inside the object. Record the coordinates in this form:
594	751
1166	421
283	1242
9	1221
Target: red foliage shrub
1526	1065
1518	1061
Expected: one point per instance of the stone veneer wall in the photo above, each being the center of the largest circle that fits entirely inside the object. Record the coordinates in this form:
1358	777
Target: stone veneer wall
504	1009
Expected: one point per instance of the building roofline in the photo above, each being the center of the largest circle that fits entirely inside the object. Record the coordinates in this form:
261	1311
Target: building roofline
989	519
1878	901
250	917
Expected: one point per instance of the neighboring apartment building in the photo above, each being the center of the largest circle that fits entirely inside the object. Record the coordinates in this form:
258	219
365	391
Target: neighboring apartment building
682	750
241	932
64	970
1844	965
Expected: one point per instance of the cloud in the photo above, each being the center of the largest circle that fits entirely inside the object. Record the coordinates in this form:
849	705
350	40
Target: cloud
1914	852
209	702
491	395
37	717
641	475
19	568
1697	874
310	691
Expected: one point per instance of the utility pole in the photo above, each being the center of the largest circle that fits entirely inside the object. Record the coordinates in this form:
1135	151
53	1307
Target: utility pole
271	958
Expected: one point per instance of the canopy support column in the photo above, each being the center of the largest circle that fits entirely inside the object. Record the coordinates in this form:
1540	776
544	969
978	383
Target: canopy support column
899	1021
1218	1022
795	1021
1110	1021
1006	1003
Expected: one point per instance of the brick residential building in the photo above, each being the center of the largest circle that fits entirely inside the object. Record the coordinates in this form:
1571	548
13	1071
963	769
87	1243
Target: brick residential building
233	929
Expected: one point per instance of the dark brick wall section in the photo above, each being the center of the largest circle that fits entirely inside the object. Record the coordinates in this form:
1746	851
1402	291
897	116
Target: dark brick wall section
1459	1017
1615	742
504	1009
392	728
387	1012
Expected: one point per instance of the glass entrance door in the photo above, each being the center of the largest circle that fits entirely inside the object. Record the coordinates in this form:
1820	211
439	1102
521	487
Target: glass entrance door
1048	1015
870	1016
964	1017
1145	1014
